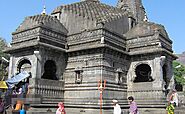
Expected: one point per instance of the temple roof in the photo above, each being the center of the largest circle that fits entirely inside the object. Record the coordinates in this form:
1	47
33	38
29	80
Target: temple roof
93	10
41	20
146	28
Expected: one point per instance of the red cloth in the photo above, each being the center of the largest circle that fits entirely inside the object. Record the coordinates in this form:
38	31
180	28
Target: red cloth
60	108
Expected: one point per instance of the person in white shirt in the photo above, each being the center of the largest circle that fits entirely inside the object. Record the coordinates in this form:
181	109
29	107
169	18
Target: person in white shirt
174	98
117	108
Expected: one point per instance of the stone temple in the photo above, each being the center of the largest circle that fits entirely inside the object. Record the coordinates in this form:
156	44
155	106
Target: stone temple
75	47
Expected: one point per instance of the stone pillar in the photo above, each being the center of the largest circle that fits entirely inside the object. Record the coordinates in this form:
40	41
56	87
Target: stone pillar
158	73
10	69
36	71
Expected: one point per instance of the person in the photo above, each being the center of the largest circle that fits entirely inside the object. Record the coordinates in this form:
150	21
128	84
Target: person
170	108
117	108
24	86
174	98
1	106
133	106
18	105
22	111
61	109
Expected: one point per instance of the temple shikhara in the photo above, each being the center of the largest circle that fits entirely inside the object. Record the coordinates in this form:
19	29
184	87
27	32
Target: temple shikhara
82	46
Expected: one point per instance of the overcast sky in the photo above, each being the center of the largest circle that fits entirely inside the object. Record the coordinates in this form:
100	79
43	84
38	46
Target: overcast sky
169	13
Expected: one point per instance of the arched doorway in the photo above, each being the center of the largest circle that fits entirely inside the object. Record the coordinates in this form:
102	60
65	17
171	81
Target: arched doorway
24	65
50	70
143	73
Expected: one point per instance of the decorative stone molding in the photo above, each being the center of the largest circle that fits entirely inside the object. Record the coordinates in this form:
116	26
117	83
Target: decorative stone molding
119	76
84	37
26	33
78	69
78	75
32	34
47	88
53	34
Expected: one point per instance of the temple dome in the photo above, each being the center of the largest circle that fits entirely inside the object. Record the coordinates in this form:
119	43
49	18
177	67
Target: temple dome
146	28
45	21
93	10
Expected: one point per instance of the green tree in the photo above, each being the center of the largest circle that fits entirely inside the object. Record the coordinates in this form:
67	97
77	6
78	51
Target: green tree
3	64
179	73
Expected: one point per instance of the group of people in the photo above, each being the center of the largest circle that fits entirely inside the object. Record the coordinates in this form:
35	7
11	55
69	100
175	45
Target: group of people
117	109
133	106
172	103
21	88
18	91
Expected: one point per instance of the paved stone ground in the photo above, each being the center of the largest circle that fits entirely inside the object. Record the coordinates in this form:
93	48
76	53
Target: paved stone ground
178	110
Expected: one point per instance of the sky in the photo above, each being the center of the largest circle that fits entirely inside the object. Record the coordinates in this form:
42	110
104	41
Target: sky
169	13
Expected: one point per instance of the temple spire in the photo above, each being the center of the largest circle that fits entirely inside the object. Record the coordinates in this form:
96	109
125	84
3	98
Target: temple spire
135	7
44	9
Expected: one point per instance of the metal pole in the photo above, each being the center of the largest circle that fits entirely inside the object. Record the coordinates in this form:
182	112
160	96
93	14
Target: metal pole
101	88
100	85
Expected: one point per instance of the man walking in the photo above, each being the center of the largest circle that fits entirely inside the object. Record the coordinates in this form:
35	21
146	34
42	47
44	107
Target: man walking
117	108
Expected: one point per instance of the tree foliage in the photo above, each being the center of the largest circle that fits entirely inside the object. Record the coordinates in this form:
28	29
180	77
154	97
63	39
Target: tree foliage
3	45
3	64
179	73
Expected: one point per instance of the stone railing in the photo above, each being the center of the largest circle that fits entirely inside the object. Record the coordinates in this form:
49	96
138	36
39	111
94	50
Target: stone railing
146	91
47	88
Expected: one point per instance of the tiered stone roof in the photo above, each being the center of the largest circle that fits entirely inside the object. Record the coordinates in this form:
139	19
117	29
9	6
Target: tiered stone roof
93	10
41	20
146	28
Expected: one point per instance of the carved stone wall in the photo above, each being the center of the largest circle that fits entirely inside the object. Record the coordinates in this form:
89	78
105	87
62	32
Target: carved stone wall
94	65
16	59
154	90
57	56
50	91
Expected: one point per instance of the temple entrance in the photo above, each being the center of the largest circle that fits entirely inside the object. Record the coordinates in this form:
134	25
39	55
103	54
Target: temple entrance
50	70
24	65
143	73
